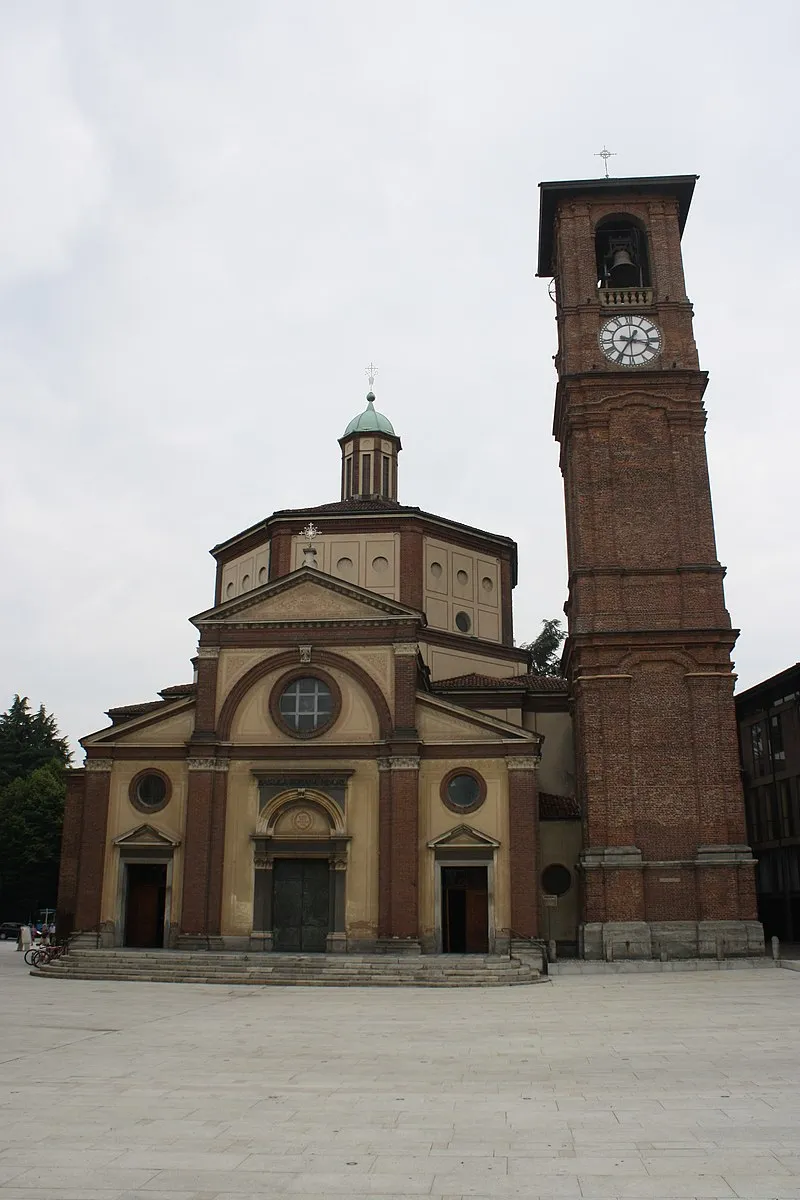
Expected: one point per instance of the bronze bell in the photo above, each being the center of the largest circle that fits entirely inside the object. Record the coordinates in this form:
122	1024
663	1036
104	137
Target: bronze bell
623	271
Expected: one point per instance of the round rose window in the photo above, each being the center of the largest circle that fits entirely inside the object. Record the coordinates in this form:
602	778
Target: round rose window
306	705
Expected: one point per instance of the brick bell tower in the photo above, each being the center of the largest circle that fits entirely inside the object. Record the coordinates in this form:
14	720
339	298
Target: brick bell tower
666	870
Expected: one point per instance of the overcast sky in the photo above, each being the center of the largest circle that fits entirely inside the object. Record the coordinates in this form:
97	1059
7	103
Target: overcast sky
213	215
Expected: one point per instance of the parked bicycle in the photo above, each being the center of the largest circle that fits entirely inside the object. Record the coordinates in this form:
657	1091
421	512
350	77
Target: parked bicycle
39	956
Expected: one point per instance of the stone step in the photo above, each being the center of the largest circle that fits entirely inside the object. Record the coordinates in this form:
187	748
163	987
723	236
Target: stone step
269	969
310	970
289	981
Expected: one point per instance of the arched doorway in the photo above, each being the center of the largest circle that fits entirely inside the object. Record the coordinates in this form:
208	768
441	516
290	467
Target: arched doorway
300	865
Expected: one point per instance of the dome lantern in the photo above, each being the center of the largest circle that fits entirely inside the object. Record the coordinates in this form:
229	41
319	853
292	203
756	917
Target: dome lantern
369	452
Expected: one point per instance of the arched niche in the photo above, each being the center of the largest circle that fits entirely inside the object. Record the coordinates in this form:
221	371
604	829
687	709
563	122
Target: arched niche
622	254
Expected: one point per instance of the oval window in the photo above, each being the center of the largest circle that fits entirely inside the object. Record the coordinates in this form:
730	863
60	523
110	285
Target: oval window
463	622
556	880
463	791
462	577
149	791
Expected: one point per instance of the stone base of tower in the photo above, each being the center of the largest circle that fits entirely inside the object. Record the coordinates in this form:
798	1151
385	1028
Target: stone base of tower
700	907
616	941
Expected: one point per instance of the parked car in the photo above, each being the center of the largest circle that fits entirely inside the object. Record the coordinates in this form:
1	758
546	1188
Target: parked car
10	929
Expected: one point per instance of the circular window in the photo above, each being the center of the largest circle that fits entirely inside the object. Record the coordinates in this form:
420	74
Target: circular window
487	584
262	575
463	622
150	790
305	705
245	582
436	570
462	790
380	564
556	880
229	591
344	564
462	577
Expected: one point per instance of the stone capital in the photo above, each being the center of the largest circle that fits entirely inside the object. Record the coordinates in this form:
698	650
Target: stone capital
520	763
399	762
98	764
208	651
201	764
405	649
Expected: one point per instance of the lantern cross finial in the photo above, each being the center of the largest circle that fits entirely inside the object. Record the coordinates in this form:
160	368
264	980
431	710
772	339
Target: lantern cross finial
371	371
606	155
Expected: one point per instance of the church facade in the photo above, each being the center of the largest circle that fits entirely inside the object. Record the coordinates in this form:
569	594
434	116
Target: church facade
364	761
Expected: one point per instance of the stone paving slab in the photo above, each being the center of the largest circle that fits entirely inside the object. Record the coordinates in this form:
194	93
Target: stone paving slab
654	1086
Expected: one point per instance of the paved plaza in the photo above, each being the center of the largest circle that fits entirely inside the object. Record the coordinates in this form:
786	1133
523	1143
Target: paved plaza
673	1085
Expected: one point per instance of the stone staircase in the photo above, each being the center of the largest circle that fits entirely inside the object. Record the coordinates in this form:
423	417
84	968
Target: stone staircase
307	970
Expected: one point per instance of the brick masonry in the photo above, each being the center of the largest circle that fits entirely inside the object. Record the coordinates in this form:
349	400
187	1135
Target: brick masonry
523	851
97	785
650	638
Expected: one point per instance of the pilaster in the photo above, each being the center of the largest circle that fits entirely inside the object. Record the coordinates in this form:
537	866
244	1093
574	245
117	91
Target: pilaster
403	915
523	819
97	790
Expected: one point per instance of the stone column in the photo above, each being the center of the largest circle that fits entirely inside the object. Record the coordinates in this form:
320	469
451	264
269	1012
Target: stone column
384	847
523	819
217	848
337	938
261	937
93	843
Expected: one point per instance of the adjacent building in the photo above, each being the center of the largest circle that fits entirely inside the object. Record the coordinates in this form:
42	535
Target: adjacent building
769	737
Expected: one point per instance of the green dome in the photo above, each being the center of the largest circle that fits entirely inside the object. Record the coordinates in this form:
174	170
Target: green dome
370	421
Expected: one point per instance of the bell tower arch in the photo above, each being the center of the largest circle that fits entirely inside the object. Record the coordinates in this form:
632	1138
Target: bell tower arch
665	863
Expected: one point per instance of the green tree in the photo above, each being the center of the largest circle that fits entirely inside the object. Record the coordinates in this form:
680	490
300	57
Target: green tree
28	740
31	817
545	649
33	756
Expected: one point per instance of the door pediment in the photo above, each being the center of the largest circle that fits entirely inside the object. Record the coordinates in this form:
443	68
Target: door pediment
463	837
147	836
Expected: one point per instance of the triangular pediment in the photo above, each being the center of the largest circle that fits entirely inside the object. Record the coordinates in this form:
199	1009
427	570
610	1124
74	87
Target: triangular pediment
171	724
442	721
146	835
305	595
463	837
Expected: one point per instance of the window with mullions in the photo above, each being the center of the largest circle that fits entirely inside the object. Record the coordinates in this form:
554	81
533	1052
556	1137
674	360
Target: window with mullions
776	741
386	466
306	705
757	745
366	474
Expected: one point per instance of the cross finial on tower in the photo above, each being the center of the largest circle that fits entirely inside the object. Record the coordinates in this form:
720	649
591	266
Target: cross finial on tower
606	155
371	371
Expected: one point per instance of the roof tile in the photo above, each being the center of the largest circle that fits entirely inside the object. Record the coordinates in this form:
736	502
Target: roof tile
529	682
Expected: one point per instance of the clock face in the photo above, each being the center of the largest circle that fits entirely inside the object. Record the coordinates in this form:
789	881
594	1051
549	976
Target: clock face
630	341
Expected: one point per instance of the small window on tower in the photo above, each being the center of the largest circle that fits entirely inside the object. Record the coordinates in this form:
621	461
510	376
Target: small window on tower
348	478
366	474
386	468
